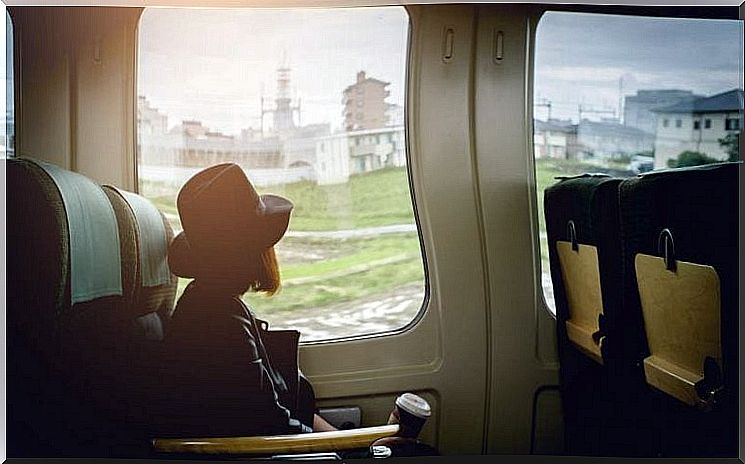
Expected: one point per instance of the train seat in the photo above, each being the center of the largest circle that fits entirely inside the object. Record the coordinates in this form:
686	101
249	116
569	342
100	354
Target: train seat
76	310
147	232
596	340
662	270
680	234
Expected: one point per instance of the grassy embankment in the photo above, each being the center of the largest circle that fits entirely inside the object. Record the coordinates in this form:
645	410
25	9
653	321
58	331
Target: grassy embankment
321	271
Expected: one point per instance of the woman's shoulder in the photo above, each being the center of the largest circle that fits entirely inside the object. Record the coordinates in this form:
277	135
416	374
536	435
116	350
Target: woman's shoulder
204	297
204	310
218	320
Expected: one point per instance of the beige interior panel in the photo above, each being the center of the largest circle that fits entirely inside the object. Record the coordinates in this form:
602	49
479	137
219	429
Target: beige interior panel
441	160
581	276
548	435
105	113
75	101
520	326
682	320
43	85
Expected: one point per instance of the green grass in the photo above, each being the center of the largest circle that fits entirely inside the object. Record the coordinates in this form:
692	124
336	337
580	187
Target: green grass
372	199
378	280
318	272
366	267
377	198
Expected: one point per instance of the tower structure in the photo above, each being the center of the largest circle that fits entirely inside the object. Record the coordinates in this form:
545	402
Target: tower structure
284	110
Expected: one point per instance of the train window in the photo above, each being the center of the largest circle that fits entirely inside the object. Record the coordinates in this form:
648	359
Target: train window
305	101
7	136
613	94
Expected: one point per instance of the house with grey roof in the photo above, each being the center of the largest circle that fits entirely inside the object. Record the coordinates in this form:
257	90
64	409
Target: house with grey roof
607	139
697	125
554	138
638	109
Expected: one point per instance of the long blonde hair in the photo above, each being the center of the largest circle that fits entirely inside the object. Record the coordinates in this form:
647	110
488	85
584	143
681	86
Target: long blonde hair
267	276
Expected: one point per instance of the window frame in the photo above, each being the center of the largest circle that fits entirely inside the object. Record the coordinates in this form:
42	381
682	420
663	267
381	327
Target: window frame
686	12
10	88
732	124
426	297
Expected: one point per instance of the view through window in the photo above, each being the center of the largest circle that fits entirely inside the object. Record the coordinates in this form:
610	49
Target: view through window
310	104
7	133
624	95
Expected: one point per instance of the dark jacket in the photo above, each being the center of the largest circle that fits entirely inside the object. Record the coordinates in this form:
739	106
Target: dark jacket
218	378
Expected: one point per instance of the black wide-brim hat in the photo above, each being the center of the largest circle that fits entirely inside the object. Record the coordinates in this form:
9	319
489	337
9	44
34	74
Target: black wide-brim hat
224	220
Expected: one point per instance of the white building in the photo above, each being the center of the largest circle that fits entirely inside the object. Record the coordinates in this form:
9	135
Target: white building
395	114
607	139
553	138
697	126
300	153
340	155
638	109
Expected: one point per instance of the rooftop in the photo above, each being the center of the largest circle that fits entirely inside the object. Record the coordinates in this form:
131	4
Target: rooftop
661	95
362	77
731	100
555	125
608	128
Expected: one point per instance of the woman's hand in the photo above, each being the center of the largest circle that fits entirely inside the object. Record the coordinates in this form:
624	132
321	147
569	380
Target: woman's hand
320	424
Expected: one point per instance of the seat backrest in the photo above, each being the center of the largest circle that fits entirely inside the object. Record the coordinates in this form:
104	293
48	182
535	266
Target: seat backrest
73	286
596	340
147	236
667	259
691	216
582	227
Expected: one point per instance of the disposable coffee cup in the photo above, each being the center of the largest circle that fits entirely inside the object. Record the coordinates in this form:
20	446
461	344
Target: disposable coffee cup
411	412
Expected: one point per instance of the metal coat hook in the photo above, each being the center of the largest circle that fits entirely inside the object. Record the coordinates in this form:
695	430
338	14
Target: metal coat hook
666	247
572	233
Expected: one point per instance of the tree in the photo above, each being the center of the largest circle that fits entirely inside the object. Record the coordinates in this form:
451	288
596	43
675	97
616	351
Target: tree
690	158
731	144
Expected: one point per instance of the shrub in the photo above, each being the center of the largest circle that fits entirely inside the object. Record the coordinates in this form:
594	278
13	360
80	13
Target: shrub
690	158
731	144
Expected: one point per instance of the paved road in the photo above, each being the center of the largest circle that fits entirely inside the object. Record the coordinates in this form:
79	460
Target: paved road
375	314
378	313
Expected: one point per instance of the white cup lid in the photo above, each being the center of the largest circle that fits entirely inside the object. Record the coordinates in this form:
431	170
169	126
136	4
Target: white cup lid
414	404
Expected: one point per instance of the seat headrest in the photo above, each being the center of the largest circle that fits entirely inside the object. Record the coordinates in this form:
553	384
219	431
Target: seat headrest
64	221
149	234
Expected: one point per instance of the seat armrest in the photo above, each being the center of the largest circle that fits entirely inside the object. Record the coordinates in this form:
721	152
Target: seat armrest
277	444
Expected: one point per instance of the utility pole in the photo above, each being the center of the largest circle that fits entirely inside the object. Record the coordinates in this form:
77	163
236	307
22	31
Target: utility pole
546	103
263	112
299	121
620	98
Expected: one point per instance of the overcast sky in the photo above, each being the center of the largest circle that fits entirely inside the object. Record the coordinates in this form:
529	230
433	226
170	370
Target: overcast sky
581	57
212	65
